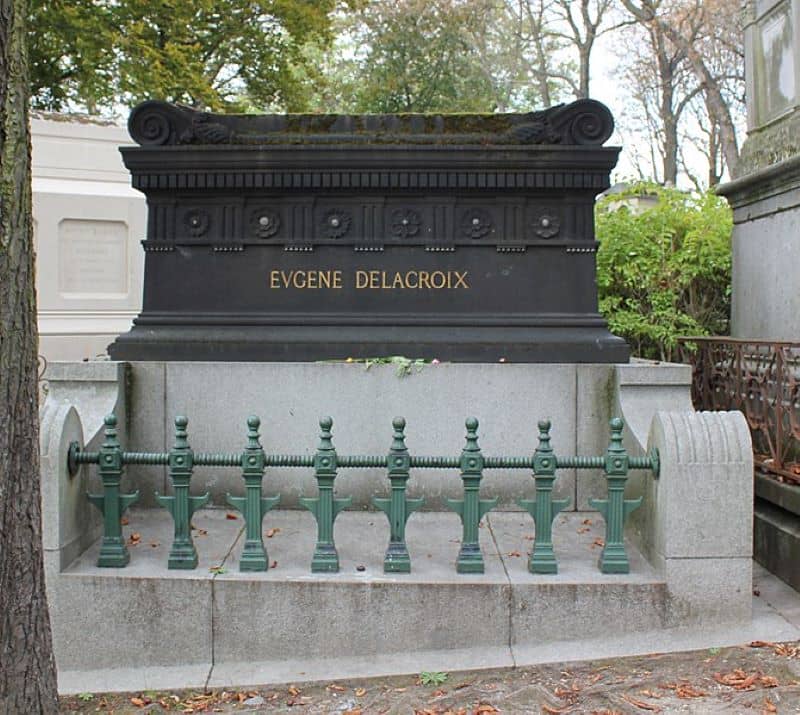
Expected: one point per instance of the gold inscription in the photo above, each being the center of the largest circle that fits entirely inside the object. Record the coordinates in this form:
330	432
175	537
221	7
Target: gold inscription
370	280
305	279
410	280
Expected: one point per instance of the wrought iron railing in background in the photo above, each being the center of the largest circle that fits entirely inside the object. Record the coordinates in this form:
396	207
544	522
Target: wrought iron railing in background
253	461
761	379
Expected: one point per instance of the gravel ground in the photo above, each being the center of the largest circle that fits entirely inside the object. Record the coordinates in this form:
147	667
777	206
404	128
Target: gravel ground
755	678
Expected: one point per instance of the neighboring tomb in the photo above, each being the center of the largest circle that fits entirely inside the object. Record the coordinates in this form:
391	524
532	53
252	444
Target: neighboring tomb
311	237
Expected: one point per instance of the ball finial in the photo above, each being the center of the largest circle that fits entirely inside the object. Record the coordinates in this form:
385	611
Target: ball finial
544	425
326	423
253	422
110	420
617	424
181	422
399	423
471	423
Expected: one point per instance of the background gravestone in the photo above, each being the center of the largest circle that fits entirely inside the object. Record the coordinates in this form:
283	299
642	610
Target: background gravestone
765	194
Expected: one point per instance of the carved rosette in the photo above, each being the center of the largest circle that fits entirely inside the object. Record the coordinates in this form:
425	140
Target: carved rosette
405	223
336	223
196	222
546	224
264	222
476	223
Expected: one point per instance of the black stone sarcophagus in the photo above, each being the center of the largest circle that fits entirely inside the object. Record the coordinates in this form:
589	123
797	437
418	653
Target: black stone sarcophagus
310	237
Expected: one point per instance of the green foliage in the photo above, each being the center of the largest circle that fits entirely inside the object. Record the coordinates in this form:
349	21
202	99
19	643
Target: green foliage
85	697
236	54
410	56
432	677
663	270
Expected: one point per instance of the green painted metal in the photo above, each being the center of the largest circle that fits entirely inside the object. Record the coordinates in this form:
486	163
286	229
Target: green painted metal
182	554
544	508
616	508
616	464
398	507
325	507
253	505
471	508
112	504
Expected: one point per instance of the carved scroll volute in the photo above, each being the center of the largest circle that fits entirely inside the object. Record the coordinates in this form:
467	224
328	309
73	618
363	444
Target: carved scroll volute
585	121
156	123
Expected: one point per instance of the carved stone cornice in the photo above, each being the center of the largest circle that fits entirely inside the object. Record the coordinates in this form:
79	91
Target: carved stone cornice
585	122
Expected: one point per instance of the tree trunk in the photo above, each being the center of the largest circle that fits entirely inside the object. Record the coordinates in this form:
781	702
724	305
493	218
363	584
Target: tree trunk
27	668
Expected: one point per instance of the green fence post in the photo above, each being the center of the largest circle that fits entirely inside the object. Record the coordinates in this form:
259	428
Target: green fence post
112	504
471	508
544	508
616	508
253	505
398	507
183	554
325	507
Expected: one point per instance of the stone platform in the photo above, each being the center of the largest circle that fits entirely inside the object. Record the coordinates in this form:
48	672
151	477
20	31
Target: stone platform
147	618
144	626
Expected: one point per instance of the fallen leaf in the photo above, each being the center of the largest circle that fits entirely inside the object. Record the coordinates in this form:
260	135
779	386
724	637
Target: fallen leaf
767	681
687	691
273	565
485	708
650	694
514	553
134	539
769	706
202	532
761	644
356	711
583	530
438	693
598	542
641	704
155	544
786	650
138	702
465	684
124	521
230	516
337	688
586	521
272	532
293	690
738	679
360	692
555	711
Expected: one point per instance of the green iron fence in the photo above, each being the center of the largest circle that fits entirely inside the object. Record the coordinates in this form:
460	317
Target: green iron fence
253	461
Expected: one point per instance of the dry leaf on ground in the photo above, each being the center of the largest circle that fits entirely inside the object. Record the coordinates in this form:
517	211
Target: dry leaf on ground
641	704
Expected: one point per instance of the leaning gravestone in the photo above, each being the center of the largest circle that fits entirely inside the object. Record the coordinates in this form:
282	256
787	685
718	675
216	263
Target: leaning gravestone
312	237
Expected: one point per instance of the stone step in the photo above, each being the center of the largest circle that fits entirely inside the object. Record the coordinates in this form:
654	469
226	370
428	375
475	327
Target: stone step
145	615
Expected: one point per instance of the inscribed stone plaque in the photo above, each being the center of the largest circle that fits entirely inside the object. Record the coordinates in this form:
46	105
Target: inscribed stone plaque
774	64
92	257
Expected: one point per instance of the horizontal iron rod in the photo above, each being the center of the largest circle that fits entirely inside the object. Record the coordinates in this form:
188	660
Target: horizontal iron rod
203	459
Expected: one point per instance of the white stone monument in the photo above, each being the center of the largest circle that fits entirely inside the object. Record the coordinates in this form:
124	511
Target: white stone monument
88	222
765	195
